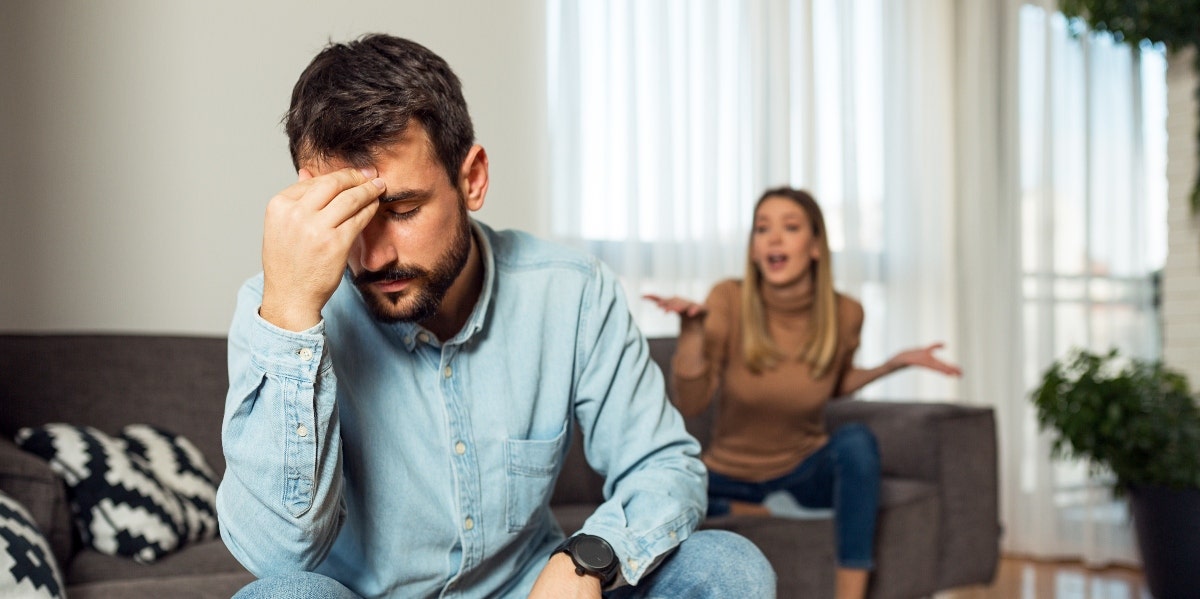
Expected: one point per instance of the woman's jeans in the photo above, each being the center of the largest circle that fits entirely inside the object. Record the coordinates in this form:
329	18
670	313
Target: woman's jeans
843	475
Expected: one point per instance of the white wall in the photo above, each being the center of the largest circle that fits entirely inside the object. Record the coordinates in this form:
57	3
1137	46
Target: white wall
1181	275
141	139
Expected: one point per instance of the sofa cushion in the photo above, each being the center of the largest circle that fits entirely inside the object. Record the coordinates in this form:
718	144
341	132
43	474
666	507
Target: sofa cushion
905	539
142	494
27	566
202	558
177	383
196	586
30	481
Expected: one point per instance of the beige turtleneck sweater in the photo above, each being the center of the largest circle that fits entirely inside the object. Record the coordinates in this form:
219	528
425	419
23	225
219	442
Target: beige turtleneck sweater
767	423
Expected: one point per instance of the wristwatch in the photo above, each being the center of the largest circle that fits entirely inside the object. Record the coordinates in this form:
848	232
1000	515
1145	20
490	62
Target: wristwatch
592	555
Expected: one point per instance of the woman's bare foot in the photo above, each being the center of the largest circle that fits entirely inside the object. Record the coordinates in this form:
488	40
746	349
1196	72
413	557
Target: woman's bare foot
744	508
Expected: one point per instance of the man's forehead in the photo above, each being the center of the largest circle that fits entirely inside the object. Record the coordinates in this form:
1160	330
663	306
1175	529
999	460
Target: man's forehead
412	146
321	166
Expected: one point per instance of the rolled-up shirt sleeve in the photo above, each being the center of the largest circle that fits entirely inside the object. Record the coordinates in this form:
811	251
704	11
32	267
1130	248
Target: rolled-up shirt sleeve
279	504
654	480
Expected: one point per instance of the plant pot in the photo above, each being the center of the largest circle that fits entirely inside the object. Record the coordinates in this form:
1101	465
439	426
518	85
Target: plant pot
1167	523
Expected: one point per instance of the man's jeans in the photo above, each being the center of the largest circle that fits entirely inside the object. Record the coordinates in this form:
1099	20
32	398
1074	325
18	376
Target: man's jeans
711	564
844	475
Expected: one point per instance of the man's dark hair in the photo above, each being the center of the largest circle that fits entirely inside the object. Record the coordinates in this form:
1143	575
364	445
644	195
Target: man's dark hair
356	97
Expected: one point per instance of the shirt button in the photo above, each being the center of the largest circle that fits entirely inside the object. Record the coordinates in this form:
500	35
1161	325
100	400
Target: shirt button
423	338
673	535
632	564
449	371
468	523
407	340
460	448
306	354
302	430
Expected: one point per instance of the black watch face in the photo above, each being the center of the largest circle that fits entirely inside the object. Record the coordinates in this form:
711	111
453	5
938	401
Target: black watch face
593	552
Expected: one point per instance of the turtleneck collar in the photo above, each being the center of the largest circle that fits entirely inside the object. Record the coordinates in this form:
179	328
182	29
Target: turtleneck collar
790	301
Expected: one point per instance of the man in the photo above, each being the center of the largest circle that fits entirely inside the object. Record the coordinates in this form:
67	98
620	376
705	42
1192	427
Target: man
403	379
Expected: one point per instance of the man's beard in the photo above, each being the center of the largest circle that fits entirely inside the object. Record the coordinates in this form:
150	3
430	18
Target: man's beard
428	287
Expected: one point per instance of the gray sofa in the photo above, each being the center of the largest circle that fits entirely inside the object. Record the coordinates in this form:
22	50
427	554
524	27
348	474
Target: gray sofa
938	527
109	381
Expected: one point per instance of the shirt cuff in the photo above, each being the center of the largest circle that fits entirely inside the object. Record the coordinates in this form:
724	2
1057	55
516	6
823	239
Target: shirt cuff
298	355
639	556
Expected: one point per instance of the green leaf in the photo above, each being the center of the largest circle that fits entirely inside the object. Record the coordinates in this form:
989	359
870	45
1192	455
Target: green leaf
1131	417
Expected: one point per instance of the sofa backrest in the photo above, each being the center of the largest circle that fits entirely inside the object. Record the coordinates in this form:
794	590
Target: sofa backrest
109	381
178	383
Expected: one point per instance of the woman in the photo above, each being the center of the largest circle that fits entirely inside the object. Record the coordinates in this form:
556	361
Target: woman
779	345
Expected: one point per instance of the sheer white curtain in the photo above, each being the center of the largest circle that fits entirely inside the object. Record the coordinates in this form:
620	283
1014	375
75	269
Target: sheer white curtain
1093	204
988	180
1061	204
670	118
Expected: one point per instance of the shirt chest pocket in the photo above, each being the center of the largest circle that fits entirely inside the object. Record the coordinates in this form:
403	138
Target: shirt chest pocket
531	468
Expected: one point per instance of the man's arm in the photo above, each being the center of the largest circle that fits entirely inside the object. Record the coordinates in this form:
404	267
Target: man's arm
558	580
633	436
307	233
279	503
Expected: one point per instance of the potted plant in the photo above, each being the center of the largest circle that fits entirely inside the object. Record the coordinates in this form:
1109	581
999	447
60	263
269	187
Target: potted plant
1137	420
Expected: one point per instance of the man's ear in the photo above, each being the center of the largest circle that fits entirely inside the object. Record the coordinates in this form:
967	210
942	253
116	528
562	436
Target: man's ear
473	177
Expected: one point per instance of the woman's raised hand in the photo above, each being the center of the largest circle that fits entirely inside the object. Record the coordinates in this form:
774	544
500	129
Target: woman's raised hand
682	306
923	357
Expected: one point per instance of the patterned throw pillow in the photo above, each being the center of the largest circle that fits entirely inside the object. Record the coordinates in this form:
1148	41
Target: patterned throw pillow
27	567
142	494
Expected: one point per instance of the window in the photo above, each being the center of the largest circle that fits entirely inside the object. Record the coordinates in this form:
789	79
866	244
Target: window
1093	195
669	119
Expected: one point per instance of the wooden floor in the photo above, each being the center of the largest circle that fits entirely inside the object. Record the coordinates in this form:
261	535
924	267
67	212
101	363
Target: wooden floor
1027	579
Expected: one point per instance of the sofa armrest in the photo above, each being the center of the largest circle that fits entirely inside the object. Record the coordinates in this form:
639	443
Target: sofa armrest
29	480
952	446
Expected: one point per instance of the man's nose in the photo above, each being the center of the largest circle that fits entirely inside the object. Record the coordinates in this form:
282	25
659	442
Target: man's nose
375	248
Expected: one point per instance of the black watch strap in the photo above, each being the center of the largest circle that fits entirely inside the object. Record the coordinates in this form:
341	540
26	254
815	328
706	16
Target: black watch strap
591	555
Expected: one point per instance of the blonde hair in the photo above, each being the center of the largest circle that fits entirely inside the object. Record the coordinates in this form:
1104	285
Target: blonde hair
760	351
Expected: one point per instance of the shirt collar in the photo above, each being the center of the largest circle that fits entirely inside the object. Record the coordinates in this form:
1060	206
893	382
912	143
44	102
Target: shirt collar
478	318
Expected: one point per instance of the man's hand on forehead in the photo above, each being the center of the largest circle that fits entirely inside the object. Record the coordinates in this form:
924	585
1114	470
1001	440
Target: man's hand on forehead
309	228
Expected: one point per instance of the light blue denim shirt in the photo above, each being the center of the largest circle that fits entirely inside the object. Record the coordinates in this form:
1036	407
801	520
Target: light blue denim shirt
406	467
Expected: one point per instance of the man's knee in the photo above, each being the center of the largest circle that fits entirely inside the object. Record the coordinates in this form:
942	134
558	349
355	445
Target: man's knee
296	585
726	564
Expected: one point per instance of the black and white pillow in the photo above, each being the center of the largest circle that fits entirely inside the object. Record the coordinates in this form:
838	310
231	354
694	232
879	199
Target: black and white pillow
142	494
27	567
